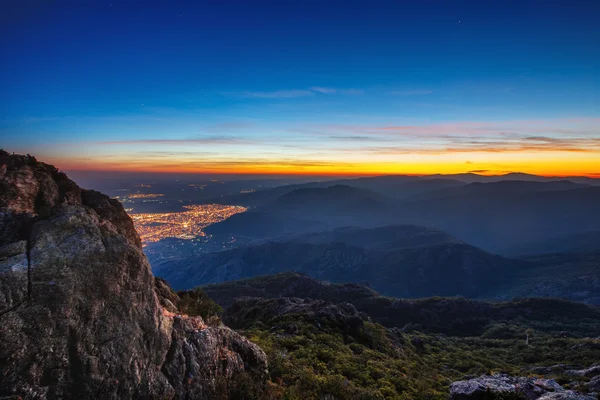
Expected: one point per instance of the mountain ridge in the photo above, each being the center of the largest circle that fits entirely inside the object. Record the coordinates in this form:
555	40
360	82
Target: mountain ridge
422	261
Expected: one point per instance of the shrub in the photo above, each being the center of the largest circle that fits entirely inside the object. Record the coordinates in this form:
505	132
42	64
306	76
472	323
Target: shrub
196	302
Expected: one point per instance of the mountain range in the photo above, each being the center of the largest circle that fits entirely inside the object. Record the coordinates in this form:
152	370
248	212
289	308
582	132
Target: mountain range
496	216
401	261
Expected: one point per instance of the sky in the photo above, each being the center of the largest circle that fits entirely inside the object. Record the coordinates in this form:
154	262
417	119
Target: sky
303	87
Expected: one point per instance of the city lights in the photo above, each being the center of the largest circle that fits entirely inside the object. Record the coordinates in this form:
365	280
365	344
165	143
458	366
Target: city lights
188	224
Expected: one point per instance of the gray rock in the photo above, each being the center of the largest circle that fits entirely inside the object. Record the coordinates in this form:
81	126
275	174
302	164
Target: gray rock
567	395
81	315
594	384
504	386
557	368
587	372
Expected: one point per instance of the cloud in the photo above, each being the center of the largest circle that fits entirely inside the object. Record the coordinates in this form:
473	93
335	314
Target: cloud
191	141
414	92
323	90
559	135
293	93
279	94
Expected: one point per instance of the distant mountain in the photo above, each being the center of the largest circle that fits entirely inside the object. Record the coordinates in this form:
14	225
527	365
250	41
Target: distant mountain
401	261
257	225
308	210
584	242
397	186
426	185
381	238
338	199
515	176
570	276
329	190
499	189
495	216
261	197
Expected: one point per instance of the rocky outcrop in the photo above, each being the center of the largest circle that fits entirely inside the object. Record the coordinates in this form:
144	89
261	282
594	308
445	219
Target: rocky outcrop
81	315
594	370
594	384
508	387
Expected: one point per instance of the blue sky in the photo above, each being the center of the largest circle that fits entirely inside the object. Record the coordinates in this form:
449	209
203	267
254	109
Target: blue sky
319	86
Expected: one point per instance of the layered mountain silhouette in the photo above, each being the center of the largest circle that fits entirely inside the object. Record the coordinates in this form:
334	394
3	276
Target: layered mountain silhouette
584	242
406	261
496	216
452	316
399	260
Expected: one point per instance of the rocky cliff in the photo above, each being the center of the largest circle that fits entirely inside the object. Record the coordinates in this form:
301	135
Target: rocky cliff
81	315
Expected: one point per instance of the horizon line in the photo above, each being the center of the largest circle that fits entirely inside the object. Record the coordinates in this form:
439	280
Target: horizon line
591	175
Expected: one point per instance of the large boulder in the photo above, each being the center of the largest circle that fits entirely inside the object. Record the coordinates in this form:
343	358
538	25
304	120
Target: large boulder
81	315
514	388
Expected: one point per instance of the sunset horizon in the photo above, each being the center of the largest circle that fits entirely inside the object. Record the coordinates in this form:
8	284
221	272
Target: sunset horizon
228	88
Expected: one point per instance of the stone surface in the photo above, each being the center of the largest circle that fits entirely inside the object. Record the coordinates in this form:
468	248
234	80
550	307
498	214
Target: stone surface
567	395
509	387
594	384
81	315
588	372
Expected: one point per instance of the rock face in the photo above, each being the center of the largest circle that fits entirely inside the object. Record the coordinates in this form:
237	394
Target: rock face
81	315
508	387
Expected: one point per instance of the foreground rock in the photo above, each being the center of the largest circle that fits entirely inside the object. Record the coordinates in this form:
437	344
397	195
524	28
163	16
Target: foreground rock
80	313
508	387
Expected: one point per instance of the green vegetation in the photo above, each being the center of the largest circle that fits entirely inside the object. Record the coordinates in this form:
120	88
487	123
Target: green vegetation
196	302
374	363
389	348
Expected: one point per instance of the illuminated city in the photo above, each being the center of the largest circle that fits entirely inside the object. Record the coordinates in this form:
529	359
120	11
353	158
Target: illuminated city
144	195
153	227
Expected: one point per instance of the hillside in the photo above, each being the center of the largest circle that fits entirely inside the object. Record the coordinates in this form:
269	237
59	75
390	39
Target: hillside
497	216
398	186
258	225
581	242
450	316
501	189
405	261
398	260
496	221
572	276
346	341
308	209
